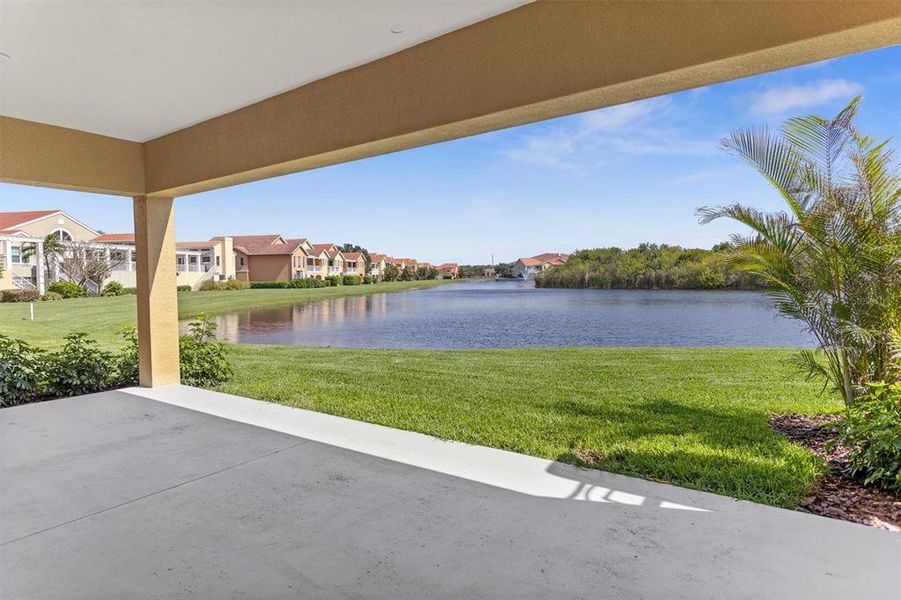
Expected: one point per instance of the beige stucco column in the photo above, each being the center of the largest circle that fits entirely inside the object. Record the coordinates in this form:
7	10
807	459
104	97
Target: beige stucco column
157	298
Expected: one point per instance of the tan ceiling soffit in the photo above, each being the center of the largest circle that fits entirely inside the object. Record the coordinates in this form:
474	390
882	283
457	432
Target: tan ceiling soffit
46	155
542	60
539	61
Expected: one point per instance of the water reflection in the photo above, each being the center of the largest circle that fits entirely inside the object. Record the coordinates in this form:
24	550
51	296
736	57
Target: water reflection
496	315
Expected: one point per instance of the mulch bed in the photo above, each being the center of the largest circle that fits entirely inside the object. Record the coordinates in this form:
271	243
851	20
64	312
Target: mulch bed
838	494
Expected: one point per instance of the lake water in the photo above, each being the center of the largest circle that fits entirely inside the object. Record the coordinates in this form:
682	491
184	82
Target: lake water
515	314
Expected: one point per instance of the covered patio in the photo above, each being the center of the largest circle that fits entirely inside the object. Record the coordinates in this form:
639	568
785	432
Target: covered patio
166	491
177	492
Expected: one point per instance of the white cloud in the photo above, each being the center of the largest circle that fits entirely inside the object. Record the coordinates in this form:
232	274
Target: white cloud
697	177
778	100
636	128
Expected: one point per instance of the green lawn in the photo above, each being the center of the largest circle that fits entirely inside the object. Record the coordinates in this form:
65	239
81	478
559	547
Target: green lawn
692	417
104	318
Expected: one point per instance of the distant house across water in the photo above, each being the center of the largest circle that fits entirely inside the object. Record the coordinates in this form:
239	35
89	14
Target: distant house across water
528	267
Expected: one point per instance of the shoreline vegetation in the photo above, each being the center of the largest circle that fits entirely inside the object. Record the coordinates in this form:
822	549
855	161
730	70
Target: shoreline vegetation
650	267
105	317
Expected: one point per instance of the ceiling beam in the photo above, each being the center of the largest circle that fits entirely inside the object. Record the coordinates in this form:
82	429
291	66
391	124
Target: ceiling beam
539	61
50	156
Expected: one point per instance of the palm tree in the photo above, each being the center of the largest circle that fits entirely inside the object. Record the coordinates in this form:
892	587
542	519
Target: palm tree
833	258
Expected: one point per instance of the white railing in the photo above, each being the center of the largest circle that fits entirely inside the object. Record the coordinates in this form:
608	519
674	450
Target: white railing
24	283
205	277
91	286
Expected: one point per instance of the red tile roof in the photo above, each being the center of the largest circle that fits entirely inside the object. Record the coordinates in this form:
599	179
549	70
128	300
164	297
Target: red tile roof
552	258
353	255
376	258
9	220
264	244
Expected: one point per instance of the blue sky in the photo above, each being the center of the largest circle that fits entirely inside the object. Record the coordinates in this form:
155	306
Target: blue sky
616	176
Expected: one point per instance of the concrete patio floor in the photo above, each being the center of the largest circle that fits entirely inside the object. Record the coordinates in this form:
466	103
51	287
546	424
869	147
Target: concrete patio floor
177	492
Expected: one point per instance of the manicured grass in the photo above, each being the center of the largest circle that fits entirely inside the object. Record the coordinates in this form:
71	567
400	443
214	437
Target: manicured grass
689	416
104	318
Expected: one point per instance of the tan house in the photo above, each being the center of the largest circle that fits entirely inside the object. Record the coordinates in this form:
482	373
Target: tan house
317	260
528	267
377	264
448	271
22	236
270	257
354	263
195	262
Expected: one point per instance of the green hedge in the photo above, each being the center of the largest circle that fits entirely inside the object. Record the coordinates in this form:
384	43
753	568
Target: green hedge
183	288
231	284
351	280
28	374
19	296
293	283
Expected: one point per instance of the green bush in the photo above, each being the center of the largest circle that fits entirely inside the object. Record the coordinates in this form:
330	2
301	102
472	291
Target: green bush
19	296
67	289
51	296
20	371
79	368
872	432
309	283
127	361
204	360
129	291
333	280
183	288
113	288
231	284
368	279
266	285
350	280
235	284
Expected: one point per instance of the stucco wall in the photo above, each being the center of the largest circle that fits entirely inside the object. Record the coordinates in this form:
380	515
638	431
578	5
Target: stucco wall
46	225
270	267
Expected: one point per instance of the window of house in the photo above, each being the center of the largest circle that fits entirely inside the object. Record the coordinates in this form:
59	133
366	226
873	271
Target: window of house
242	261
16	254
205	258
179	260
192	260
217	261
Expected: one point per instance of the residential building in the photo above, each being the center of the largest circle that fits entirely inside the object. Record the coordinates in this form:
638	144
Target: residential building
528	267
195	262
22	236
448	271
354	263
377	264
270	257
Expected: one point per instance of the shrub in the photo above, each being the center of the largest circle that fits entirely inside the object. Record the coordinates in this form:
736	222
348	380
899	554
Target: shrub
19	296
235	284
20	371
183	288
51	296
872	432
264	285
368	279
309	283
209	285
350	280
333	280
204	361
127	361
129	291
231	284
113	288
67	289
79	368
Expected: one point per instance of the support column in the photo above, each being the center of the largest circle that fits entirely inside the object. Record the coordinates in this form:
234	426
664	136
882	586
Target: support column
157	298
39	273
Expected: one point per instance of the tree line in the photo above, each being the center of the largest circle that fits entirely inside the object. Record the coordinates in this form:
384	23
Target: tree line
651	266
